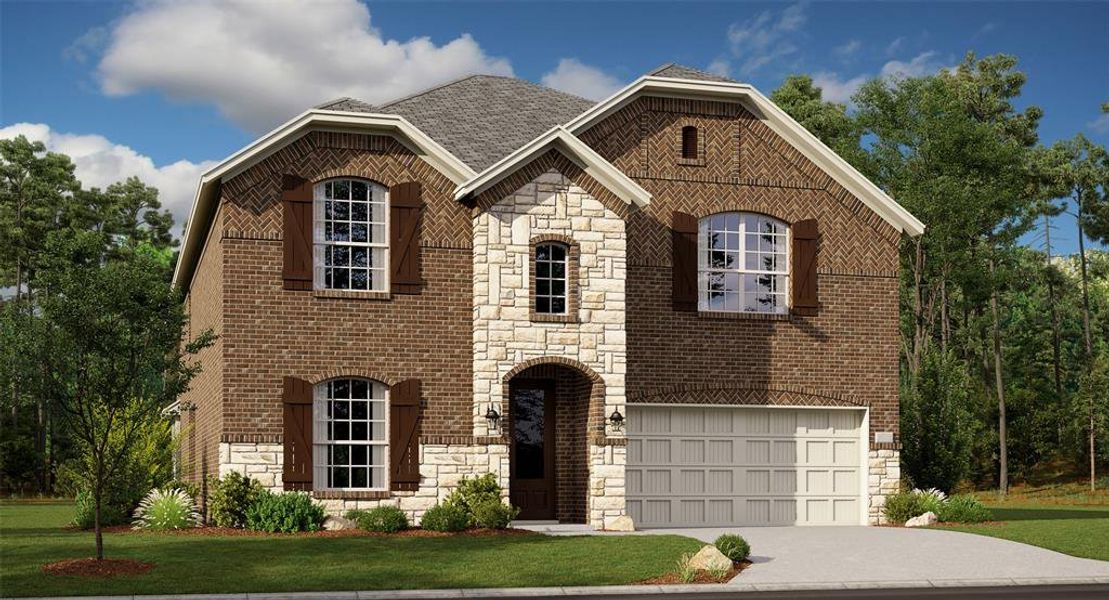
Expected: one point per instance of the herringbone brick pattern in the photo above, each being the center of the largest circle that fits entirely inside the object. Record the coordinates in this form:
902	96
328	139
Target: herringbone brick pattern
252	200
741	395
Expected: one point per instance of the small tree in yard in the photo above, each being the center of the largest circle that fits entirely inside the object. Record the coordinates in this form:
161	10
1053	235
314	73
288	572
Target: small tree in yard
112	330
1089	410
937	428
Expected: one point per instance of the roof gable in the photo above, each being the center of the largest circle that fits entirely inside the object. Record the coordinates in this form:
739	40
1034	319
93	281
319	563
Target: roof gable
776	119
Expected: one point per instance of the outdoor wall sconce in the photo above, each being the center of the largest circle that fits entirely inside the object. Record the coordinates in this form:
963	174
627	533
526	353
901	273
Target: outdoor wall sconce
616	419
493	417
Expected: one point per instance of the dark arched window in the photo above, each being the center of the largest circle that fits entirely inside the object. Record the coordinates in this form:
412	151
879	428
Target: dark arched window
689	142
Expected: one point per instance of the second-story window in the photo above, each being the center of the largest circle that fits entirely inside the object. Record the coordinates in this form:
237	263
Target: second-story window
743	263
351	241
550	278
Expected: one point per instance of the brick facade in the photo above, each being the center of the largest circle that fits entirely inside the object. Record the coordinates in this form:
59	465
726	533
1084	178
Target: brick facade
471	329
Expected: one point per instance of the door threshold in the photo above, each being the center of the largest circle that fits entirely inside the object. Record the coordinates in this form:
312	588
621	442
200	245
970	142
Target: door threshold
534	522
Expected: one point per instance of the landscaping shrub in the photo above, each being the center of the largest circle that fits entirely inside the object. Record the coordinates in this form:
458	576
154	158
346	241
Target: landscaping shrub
113	511
964	509
230	498
284	513
902	506
445	517
472	492
494	514
733	546
938	427
167	509
686	572
383	519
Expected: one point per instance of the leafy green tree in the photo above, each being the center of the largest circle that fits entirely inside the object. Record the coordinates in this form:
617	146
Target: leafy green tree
937	423
829	121
34	186
113	329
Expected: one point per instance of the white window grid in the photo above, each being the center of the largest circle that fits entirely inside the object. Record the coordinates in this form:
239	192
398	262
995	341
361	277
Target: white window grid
743	263
351	235
350	433
551	278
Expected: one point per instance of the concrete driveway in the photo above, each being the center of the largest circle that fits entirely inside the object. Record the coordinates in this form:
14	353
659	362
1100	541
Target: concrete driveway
888	554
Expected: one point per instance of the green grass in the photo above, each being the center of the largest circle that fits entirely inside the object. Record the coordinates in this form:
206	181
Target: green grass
32	535
1076	530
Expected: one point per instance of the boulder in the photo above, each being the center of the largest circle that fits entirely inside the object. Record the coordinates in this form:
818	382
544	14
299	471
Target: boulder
621	523
709	558
928	518
332	523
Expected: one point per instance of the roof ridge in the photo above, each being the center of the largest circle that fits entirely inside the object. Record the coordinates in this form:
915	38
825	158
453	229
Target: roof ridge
433	88
662	68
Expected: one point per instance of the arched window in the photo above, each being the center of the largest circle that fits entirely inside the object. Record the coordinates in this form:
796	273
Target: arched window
551	278
689	142
351	239
350	439
743	263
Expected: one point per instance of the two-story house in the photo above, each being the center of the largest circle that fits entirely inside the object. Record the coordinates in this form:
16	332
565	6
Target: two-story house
675	304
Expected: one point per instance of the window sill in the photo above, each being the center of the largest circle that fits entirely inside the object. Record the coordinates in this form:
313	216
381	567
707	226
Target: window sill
742	316
691	162
351	295
545	318
351	494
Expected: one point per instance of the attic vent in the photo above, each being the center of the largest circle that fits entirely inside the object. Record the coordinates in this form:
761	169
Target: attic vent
689	142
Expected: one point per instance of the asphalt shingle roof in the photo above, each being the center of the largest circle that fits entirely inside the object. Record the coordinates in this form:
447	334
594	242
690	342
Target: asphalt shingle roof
483	118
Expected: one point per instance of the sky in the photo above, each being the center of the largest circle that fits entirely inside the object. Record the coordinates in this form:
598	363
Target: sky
165	90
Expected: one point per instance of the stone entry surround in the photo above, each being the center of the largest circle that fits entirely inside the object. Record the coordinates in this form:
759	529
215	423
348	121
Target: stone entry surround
591	340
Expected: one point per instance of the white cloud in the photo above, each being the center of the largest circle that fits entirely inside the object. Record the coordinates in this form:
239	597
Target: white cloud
573	77
1100	124
835	89
261	63
720	67
848	50
766	37
922	64
895	46
100	163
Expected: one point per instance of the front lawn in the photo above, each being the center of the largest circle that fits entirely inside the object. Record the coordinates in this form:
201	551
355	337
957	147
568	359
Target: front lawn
1075	530
31	535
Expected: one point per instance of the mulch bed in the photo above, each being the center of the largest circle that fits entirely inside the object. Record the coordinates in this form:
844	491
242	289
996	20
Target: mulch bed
233	532
702	577
90	567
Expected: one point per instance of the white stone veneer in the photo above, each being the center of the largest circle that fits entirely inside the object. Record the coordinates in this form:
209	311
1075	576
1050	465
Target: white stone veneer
885	479
442	466
504	334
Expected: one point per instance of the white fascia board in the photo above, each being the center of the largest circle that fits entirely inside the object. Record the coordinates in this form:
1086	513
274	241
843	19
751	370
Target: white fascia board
774	117
559	138
396	126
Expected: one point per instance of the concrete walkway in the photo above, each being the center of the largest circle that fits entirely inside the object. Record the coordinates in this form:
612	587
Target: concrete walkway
850	556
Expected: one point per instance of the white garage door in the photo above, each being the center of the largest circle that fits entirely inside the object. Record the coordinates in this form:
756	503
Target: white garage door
692	466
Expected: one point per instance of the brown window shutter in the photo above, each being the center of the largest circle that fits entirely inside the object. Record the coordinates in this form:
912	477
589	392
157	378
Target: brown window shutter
404	441
296	206
404	246
297	400
805	239
684	242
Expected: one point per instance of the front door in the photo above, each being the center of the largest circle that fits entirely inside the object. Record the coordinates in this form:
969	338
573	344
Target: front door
532	483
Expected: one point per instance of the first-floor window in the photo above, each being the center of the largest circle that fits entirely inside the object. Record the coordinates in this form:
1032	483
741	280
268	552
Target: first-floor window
351	443
743	263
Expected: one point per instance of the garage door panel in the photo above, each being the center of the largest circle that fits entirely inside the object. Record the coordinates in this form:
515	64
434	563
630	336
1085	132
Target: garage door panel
740	466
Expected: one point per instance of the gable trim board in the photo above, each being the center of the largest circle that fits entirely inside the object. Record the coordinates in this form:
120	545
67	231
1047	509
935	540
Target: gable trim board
573	148
207	192
776	119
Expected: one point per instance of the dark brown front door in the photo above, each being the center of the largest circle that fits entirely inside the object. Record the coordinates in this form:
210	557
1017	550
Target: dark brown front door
532	485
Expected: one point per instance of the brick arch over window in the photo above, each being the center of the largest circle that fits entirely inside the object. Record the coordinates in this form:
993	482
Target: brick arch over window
326	375
755	395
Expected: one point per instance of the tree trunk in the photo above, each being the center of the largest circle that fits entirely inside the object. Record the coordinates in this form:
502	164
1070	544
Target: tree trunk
945	319
98	490
1055	345
999	381
918	308
1086	333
